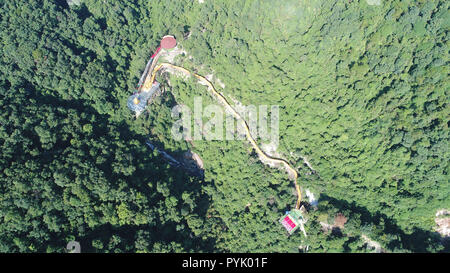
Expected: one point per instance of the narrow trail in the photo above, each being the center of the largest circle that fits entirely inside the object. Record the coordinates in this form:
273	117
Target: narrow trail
291	171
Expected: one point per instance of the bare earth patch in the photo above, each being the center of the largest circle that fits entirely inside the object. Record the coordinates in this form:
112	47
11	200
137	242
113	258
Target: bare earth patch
442	221
340	220
169	55
372	244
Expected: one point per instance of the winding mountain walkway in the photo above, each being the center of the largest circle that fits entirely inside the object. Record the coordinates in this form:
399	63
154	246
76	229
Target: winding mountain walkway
263	156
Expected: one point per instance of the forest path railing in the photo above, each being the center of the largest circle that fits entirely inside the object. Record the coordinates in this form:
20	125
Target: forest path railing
293	173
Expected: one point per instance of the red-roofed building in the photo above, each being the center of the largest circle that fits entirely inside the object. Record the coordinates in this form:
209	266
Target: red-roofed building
168	42
291	220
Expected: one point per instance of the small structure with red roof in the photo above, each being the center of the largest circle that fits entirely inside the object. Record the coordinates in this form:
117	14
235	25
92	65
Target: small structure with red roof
292	220
168	42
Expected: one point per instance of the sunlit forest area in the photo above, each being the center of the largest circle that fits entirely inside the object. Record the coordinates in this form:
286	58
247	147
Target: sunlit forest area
363	91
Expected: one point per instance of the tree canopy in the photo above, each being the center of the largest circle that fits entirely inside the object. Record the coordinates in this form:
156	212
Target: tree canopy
362	91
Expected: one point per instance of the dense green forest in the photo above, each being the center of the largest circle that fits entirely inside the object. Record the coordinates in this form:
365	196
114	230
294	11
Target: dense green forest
363	91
